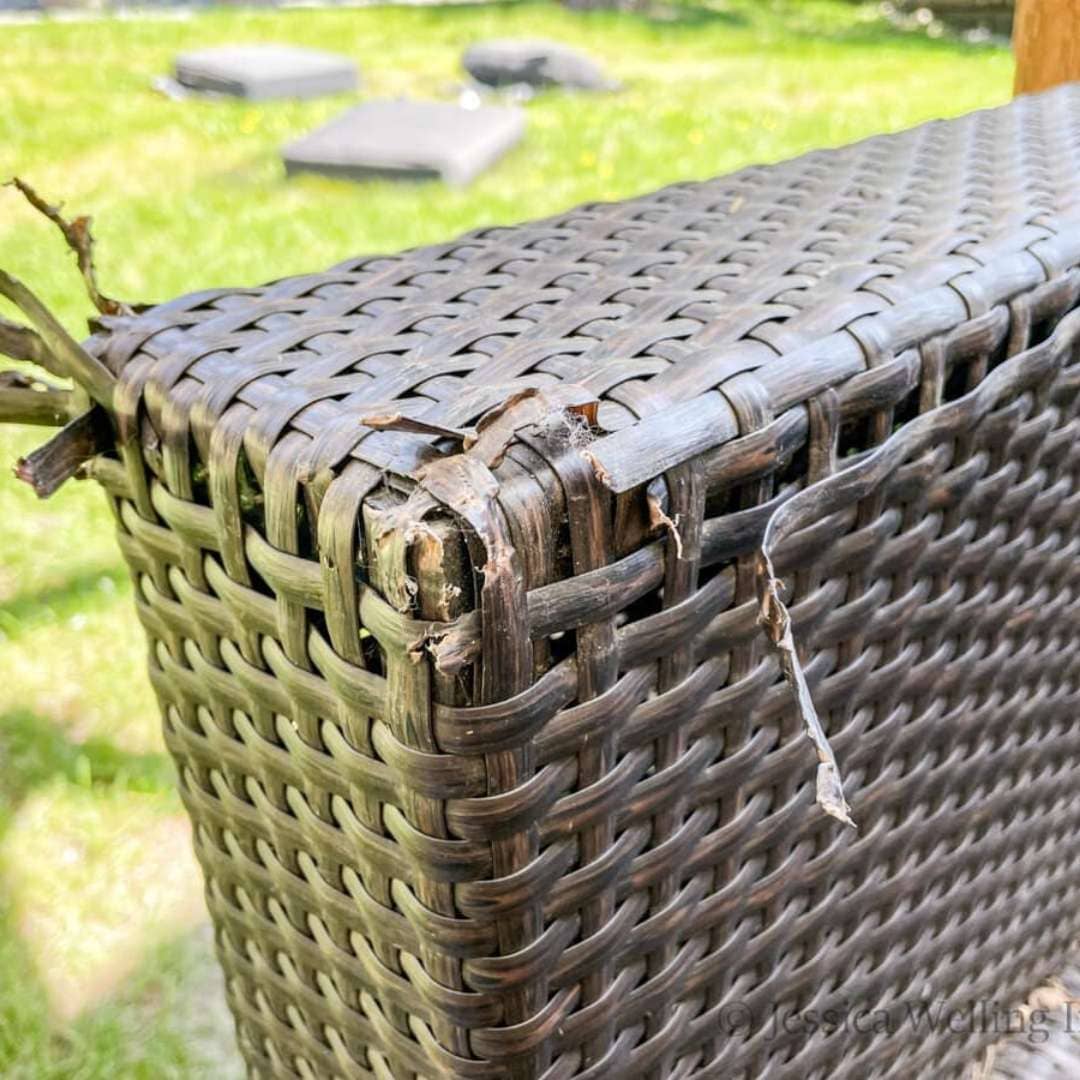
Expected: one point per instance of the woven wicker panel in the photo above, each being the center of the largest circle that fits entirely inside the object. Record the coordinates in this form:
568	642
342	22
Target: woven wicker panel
448	562
1042	1042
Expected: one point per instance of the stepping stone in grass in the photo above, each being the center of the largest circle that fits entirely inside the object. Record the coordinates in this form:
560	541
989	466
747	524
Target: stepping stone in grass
408	140
259	72
518	61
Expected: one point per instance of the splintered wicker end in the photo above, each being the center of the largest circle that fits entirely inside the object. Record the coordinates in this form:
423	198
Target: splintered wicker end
78	237
84	412
776	621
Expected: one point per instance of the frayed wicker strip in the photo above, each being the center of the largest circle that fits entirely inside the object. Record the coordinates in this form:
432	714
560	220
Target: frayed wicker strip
776	620
82	413
79	238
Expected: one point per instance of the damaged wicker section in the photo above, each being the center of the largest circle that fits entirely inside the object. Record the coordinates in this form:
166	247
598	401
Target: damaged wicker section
453	565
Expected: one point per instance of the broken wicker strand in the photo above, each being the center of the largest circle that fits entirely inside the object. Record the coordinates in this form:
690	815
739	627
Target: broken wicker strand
776	620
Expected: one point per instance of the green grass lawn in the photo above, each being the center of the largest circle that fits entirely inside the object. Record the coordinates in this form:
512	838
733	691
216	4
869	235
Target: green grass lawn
105	964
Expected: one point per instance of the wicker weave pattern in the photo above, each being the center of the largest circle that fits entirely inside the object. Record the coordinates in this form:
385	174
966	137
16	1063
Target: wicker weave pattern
490	765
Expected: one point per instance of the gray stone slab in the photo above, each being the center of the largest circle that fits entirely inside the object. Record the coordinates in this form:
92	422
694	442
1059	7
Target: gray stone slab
512	61
408	140
259	72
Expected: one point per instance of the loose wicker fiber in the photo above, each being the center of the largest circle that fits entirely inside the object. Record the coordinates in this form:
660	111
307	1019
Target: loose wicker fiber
449	564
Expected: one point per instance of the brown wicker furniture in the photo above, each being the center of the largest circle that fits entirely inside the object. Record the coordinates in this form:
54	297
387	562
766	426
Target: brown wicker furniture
454	566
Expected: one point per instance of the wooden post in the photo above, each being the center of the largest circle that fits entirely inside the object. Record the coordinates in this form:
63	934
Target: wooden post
1046	42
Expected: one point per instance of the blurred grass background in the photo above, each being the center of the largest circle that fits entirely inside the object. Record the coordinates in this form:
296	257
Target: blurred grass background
106	966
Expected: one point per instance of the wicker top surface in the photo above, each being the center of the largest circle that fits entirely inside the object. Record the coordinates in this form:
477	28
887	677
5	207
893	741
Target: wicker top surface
643	303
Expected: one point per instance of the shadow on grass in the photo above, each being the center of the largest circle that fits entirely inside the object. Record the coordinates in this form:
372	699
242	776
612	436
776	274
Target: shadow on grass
168	1017
660	14
797	24
34	751
799	27
24	1039
653	10
89	590
687	16
880	33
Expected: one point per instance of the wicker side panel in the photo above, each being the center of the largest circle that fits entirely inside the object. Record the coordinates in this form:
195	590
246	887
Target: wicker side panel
595	852
297	707
934	589
699	911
